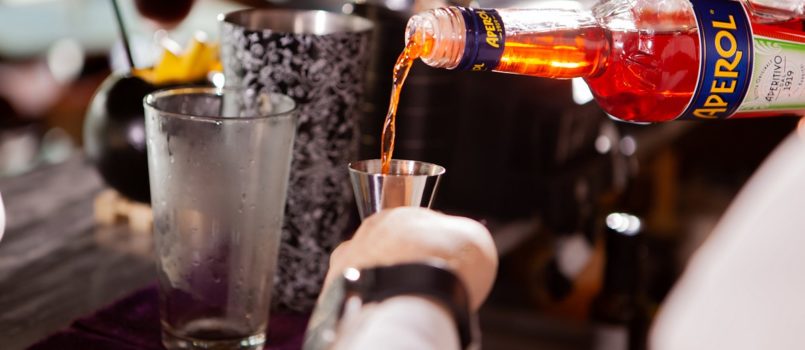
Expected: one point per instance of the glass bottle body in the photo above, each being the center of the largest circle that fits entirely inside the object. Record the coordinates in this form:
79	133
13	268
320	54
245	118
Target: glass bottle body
640	58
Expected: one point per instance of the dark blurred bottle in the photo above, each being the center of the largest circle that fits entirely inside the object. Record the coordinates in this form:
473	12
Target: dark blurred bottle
114	135
166	14
620	314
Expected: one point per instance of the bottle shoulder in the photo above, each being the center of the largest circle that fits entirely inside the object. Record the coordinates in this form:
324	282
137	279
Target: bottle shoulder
645	15
775	10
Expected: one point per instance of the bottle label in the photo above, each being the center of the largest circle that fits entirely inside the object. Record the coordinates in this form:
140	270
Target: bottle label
745	69
725	62
778	75
485	39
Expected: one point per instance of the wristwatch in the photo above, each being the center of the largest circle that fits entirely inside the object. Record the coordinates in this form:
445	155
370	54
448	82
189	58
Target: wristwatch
430	279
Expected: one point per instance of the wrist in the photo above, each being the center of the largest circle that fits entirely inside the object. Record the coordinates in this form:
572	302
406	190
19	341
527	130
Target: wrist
414	322
356	295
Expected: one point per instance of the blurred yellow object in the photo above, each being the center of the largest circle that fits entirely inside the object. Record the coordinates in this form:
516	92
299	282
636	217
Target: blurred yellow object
198	59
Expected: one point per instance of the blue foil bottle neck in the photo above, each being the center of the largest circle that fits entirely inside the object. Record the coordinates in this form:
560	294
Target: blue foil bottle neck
471	40
484	39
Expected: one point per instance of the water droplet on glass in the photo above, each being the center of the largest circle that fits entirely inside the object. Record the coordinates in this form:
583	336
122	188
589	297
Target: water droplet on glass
172	160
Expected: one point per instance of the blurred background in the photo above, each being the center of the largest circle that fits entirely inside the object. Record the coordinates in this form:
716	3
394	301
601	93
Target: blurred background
534	159
53	57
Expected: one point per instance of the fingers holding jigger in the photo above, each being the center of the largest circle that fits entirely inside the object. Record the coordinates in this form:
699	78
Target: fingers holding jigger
412	234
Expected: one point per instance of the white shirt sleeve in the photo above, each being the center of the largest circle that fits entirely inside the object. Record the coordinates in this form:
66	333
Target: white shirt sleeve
399	323
745	286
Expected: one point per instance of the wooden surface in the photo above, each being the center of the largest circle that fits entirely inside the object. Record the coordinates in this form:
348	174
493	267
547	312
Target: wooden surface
56	264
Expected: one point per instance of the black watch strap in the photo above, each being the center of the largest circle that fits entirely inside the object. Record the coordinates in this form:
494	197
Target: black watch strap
425	279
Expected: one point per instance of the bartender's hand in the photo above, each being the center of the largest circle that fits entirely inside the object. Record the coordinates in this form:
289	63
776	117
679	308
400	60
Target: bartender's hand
411	234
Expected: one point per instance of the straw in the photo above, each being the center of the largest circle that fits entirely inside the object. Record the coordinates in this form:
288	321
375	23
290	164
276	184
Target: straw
123	34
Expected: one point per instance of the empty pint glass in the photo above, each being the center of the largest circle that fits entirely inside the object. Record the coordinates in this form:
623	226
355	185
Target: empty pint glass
218	162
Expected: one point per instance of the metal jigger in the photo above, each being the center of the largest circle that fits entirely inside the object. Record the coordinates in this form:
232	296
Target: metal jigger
408	183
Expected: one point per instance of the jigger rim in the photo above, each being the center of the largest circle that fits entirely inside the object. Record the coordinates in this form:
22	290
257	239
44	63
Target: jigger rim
431	169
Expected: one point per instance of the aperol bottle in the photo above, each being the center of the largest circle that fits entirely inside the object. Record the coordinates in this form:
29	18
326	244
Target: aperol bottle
645	61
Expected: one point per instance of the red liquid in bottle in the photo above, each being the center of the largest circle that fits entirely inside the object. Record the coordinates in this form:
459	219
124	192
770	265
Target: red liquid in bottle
635	76
650	77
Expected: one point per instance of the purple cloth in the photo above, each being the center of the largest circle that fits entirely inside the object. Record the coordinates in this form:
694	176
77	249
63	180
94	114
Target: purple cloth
133	324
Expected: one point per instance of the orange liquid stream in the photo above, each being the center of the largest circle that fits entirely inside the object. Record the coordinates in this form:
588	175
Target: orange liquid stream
413	49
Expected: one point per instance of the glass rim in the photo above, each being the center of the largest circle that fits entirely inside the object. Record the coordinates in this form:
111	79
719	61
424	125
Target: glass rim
438	169
248	17
149	101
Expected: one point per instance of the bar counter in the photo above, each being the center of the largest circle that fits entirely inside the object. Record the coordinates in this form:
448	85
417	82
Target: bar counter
55	263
